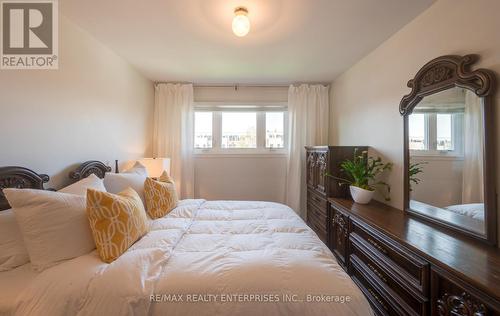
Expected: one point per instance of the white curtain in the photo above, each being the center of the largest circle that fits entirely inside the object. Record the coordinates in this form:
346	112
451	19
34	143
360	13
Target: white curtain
173	133
472	186
308	107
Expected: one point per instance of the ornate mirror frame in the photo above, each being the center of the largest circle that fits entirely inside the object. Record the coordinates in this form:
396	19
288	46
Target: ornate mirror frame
440	74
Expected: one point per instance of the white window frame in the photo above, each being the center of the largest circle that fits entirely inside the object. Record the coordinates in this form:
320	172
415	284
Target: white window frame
430	138
260	108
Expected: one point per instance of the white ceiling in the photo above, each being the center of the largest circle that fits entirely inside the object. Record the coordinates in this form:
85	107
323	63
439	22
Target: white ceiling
289	40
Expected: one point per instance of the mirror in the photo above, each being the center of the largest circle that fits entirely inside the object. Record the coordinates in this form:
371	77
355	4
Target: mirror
449	171
446	142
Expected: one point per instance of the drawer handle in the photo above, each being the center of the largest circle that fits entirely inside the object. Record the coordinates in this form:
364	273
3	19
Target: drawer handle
376	245
372	292
380	275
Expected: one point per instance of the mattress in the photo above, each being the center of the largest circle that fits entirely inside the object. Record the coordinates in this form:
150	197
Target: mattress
205	258
12	283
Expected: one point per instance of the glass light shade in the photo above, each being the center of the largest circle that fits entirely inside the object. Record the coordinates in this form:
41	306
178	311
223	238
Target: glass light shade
241	24
156	166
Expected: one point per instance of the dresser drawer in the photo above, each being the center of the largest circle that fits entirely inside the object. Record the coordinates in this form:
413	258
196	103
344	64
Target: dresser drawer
318	200
384	296
412	298
377	300
317	215
396	259
317	221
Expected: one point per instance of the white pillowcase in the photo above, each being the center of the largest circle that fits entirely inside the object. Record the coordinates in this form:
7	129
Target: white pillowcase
117	182
138	168
80	187
13	253
54	225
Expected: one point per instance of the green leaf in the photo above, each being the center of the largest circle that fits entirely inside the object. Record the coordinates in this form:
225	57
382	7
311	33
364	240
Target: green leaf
362	171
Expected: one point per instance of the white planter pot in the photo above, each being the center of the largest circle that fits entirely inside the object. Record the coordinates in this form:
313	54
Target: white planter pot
360	195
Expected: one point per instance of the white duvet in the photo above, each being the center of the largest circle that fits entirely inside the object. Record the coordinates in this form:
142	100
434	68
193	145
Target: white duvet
473	210
205	258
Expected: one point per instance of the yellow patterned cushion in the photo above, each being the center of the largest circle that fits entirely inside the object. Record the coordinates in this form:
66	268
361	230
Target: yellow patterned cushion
160	196
165	177
117	221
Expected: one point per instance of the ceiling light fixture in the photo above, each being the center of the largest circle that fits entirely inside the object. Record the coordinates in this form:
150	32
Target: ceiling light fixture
241	23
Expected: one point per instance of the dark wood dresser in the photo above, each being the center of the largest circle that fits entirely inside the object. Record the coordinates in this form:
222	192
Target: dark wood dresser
406	266
320	161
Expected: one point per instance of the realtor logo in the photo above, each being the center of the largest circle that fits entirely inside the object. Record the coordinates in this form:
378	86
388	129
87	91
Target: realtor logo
29	34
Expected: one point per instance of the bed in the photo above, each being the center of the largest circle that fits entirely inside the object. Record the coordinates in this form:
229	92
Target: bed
203	258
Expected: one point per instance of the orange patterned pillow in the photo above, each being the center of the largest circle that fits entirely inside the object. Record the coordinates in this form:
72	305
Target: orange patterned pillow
117	221
160	196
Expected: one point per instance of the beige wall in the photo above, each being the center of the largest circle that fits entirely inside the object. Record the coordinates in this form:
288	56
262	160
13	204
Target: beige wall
248	94
241	177
95	106
441	183
365	99
259	177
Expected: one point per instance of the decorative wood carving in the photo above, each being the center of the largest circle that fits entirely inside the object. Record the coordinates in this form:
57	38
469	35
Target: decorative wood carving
446	72
311	162
89	167
20	178
455	305
341	224
321	163
340	236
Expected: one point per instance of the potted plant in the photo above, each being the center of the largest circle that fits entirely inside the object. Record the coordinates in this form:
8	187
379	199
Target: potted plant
414	169
360	174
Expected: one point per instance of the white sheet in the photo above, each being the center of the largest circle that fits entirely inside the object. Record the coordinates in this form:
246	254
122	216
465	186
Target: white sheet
220	249
12	283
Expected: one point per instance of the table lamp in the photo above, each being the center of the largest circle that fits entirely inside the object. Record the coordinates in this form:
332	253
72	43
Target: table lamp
156	166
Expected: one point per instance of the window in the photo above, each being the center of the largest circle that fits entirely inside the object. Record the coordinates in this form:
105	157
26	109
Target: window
203	129
240	130
443	132
436	133
417	132
275	123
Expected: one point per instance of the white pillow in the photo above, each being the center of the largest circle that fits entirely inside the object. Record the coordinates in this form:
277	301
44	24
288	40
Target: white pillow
54	225
80	187
138	168
117	182
13	253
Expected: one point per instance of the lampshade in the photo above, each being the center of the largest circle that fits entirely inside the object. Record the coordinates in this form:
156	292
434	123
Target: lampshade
156	166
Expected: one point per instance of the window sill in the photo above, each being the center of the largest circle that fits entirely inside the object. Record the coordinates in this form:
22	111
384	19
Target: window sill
437	157
240	153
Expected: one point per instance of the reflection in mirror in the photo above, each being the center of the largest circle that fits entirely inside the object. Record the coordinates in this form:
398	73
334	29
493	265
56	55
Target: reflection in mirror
446	142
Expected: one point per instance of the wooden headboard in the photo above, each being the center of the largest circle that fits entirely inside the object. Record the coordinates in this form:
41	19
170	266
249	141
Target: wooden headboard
89	167
20	178
24	178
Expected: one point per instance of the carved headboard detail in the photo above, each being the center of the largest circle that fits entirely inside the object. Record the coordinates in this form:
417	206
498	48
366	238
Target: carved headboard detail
20	178
89	167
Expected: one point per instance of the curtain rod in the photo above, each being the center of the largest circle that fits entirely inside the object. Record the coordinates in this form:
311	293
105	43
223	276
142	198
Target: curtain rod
237	85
